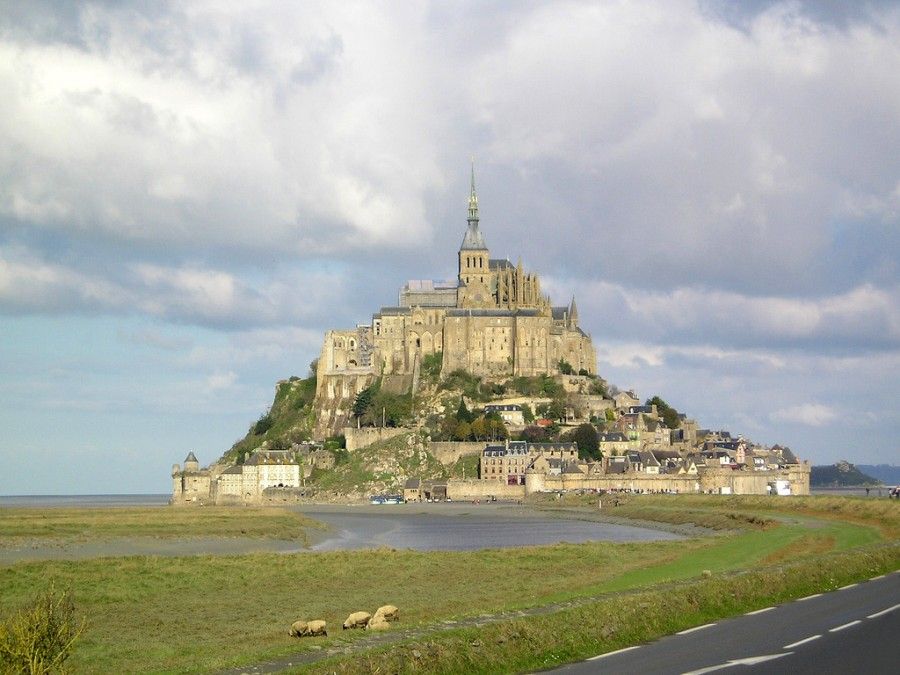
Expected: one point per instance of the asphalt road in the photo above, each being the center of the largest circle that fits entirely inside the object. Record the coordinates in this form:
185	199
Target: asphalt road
854	629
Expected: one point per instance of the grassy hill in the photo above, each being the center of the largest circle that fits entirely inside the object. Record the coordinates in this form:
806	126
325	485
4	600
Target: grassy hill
379	468
839	475
382	467
289	420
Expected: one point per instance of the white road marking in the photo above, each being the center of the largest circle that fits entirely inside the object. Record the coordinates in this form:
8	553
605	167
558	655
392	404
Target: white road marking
844	588
759	611
880	576
618	651
802	642
846	625
749	661
809	597
882	612
691	630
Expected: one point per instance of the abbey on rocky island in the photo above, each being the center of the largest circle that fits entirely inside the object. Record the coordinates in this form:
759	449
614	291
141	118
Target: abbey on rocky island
493	321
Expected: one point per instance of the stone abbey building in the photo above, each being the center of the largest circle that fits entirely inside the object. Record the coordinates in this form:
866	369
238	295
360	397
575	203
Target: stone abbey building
493	321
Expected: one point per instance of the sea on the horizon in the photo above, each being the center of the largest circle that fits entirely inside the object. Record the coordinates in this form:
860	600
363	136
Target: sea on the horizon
42	501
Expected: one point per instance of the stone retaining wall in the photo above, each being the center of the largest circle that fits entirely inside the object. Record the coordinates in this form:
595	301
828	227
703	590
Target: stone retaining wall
360	438
449	452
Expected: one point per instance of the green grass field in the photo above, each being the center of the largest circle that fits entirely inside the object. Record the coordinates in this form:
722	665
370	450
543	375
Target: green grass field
203	613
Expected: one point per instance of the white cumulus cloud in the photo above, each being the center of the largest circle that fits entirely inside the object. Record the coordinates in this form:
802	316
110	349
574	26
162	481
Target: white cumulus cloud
810	414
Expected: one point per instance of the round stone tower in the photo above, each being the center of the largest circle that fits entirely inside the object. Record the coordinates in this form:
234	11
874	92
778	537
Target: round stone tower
534	482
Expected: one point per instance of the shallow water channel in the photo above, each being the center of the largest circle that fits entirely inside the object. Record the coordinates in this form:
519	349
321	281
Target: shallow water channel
445	527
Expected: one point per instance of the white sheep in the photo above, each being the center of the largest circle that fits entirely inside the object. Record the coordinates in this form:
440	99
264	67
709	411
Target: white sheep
388	613
308	628
357	620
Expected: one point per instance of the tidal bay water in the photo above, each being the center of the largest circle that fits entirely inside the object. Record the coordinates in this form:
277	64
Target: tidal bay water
49	501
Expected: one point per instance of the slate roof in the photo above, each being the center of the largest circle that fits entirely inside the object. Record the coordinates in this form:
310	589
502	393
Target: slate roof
648	459
492	312
473	240
551	447
412	484
499	264
270	457
572	467
394	311
191	457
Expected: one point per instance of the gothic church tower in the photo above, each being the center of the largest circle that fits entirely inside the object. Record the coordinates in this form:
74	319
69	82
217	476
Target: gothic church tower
475	283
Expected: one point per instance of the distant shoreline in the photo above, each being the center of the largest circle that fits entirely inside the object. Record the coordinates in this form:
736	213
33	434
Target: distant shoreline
49	501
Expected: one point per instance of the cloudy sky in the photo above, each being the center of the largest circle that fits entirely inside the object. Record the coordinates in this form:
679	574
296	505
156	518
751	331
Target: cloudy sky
191	193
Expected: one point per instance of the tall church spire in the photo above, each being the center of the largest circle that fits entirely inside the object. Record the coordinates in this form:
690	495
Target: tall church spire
473	239
473	198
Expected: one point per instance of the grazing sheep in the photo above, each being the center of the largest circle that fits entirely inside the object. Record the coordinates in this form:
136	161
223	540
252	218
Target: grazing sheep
377	623
388	613
357	620
308	629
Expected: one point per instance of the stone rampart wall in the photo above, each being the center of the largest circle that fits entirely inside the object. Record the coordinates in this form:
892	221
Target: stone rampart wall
467	490
449	452
710	480
633	481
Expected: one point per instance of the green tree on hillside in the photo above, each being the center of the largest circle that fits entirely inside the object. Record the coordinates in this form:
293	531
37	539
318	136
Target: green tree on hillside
598	388
554	410
527	413
462	432
667	412
363	400
585	435
263	424
463	414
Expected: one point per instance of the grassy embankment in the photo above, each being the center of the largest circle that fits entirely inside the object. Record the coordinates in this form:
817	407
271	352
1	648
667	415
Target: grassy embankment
204	613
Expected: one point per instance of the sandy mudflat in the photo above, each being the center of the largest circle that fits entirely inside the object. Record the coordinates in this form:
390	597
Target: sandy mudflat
462	527
44	550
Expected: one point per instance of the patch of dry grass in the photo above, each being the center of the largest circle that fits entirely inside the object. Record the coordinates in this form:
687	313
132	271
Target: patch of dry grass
806	545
